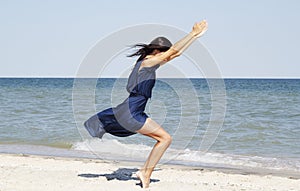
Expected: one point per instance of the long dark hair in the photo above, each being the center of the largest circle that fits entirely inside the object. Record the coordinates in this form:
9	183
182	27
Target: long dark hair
160	43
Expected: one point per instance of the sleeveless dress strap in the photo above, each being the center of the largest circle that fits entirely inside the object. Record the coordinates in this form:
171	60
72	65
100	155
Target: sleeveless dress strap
133	78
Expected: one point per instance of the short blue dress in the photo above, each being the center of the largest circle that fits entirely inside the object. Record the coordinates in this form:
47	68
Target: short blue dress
129	116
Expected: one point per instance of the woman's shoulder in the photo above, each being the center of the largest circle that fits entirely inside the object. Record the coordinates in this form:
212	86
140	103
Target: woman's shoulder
144	64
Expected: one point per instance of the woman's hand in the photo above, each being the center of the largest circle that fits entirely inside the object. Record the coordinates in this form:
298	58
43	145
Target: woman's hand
199	28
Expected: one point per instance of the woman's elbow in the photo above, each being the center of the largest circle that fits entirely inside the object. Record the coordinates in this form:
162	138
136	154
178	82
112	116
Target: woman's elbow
175	55
171	55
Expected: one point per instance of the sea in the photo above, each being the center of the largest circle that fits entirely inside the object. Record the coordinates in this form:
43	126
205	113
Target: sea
216	123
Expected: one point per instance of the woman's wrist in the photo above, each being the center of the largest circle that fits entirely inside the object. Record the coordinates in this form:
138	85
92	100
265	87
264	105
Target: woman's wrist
193	34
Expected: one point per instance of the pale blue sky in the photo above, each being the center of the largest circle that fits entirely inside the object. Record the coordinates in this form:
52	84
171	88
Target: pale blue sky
258	38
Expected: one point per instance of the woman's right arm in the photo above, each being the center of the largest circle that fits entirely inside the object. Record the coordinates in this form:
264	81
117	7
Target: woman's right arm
179	47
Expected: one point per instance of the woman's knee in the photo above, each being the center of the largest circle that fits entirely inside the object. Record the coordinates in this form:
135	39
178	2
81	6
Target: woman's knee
167	139
154	130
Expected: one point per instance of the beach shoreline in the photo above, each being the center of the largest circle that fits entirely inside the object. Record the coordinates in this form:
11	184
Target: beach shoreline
37	172
44	151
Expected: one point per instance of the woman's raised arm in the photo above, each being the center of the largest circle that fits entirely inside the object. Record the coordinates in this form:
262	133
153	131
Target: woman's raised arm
179	47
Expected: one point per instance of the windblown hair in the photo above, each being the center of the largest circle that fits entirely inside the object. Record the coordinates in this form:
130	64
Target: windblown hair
160	43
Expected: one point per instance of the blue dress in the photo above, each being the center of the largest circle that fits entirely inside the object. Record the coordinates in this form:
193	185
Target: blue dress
129	116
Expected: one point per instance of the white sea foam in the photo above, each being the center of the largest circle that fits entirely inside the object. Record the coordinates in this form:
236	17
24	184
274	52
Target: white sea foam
113	149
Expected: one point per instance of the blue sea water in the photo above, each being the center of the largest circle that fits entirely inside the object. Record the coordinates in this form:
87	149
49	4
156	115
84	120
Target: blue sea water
260	129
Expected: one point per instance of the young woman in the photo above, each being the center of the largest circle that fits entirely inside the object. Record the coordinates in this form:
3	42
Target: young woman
129	118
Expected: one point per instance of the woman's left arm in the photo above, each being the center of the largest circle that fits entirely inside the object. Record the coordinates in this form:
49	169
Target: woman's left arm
195	35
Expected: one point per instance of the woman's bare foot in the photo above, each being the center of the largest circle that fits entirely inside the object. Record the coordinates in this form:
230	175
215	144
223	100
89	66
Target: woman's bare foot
144	181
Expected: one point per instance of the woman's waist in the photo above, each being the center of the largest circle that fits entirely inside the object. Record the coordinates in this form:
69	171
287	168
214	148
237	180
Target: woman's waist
137	94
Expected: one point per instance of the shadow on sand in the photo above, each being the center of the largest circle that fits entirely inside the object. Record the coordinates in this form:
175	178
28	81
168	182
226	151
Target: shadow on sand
123	174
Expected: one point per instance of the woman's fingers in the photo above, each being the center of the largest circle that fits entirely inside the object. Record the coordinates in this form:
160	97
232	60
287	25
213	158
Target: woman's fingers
200	28
203	26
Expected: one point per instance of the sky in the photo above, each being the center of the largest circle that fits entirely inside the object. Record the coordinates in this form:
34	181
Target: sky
247	39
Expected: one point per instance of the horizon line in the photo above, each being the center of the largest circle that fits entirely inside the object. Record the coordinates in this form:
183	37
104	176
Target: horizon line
112	77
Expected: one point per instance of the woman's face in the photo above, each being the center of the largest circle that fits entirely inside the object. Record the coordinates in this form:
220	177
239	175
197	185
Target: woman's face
157	52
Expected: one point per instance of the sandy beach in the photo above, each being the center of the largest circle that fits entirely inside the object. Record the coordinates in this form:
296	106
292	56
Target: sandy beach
28	172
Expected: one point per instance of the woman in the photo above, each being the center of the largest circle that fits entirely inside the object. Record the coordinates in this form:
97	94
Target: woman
129	118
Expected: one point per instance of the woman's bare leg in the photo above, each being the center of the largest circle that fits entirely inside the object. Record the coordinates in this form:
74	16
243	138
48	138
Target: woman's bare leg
155	131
